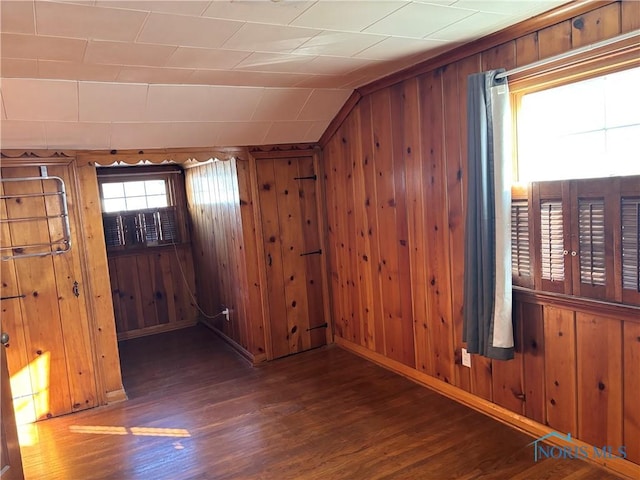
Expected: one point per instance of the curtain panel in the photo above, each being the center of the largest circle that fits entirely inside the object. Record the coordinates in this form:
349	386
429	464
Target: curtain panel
488	326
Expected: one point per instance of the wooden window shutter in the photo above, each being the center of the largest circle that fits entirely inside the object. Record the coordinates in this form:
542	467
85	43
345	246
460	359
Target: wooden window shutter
113	231
520	254
591	234
168	225
552	241
630	221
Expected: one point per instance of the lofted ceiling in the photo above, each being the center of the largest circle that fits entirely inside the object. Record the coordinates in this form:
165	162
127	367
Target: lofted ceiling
160	74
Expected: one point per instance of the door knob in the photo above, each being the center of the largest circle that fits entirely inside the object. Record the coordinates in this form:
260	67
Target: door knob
4	339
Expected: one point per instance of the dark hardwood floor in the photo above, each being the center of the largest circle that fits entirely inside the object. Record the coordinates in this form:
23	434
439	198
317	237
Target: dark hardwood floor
197	410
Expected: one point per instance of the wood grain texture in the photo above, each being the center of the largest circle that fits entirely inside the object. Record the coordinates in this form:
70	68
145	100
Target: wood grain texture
631	382
168	427
226	274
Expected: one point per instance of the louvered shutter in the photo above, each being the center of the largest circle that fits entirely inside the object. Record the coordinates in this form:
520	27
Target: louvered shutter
591	228
520	254
113	232
630	220
552	240
168	225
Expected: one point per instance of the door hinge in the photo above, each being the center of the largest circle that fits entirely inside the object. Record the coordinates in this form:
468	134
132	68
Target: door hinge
310	177
324	325
315	252
76	288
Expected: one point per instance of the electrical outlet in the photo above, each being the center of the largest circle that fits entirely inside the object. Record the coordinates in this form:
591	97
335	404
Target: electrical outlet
466	358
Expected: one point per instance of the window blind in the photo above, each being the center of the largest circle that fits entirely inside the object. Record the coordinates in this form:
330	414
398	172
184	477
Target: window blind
552	240
520	255
592	241
144	228
630	216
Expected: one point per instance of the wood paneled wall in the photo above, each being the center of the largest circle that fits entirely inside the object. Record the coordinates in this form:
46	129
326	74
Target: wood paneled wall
225	252
395	173
152	290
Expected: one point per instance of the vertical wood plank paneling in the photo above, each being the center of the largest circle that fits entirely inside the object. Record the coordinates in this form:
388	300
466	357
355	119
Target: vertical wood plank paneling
369	170
527	49
36	277
403	114
555	39
599	358
412	147
596	25
631	382
630	15
560	369
436	226
533	348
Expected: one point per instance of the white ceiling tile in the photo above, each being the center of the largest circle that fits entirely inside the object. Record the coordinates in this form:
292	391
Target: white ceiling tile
287	132
117	53
187	31
19	68
26	99
323	104
470	28
351	16
240	78
16	17
203	58
39	47
77	71
323	81
281	103
154	75
269	38
509	8
341	44
394	47
18	134
78	135
316	130
417	20
274	62
181	7
112	102
164	135
240	134
79	21
279	13
201	103
334	65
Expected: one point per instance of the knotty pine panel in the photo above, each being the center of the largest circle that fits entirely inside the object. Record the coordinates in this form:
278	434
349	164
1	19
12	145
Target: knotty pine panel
149	291
631	382
532	325
225	261
599	359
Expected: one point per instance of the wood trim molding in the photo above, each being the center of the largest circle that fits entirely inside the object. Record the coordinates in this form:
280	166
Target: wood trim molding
143	332
621	467
628	313
340	117
247	355
559	14
185	156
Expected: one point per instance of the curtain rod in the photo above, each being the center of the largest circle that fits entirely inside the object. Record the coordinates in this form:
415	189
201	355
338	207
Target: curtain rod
570	53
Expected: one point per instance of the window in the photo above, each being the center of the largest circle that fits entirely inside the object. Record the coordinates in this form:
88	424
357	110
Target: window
140	207
585	129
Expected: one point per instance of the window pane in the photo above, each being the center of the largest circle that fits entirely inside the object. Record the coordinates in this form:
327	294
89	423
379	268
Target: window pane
113	190
134	189
155	187
585	129
156	201
136	203
114	205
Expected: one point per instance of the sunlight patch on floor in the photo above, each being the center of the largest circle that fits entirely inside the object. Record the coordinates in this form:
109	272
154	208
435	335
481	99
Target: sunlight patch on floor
140	431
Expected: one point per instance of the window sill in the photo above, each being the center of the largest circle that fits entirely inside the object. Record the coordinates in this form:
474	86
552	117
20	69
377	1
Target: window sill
134	251
581	304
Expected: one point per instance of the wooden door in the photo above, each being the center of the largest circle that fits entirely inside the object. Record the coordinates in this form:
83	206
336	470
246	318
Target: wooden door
50	357
11	465
292	245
